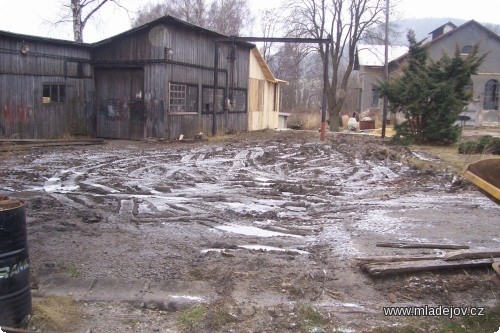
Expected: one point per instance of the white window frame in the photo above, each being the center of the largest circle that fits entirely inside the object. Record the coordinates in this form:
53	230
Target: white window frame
178	97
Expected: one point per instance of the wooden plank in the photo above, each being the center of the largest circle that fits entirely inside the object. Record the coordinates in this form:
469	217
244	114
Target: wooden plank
6	204
15	330
410	245
399	258
385	269
472	254
7	146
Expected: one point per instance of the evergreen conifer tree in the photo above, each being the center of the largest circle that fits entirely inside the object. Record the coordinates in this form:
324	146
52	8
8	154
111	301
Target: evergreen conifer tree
431	95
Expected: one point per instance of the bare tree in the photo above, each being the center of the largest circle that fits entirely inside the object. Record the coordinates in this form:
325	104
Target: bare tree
270	22
79	12
376	35
346	21
191	11
293	63
229	17
150	12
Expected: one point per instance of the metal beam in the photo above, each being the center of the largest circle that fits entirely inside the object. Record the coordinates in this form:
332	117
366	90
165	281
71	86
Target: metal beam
275	40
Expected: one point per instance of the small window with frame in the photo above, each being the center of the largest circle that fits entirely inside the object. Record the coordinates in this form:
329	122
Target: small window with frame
54	93
466	50
183	98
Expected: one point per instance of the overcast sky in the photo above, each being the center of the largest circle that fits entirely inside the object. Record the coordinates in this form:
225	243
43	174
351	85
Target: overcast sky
32	16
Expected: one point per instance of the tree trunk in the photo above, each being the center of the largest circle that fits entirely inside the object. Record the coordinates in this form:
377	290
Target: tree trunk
76	9
335	103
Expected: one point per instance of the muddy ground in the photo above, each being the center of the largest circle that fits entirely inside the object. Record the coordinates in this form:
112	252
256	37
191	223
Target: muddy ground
261	230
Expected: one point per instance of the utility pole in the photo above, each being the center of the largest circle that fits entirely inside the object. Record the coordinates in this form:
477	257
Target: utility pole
324	102
386	66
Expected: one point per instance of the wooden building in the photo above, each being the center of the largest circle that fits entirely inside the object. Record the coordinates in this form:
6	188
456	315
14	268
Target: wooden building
46	87
264	94
156	80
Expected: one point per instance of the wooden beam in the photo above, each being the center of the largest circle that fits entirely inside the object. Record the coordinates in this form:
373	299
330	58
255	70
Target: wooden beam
473	254
399	258
410	245
15	330
385	269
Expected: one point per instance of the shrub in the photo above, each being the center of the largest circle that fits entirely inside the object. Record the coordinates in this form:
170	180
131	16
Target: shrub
485	145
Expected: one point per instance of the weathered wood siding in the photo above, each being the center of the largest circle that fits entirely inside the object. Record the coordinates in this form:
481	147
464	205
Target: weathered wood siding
190	63
122	87
22	77
119	103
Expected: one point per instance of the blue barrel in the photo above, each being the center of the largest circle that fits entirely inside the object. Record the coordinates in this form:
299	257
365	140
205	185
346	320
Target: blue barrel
15	292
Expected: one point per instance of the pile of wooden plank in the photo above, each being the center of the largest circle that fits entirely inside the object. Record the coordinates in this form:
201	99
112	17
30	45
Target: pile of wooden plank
460	257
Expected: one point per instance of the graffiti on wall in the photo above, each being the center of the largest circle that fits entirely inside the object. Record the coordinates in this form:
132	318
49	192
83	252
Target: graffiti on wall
116	109
12	115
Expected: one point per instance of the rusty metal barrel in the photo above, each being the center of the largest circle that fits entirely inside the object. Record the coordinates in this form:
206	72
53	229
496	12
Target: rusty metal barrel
15	292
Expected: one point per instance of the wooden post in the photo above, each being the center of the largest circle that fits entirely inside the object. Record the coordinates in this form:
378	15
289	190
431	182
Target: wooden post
216	84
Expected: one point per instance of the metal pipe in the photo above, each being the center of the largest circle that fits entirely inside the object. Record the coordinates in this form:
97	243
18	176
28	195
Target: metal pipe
274	39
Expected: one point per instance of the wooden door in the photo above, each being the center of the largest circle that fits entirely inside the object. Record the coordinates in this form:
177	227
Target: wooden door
120	103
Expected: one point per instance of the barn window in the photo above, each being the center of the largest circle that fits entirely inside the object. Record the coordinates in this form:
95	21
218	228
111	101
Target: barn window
75	69
183	98
208	99
54	93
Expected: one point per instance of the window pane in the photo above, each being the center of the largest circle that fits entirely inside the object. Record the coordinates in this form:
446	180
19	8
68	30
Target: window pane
46	90
375	98
54	94
466	49
208	97
62	93
177	98
491	92
192	99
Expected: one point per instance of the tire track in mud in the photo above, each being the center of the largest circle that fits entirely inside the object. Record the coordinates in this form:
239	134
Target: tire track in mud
295	189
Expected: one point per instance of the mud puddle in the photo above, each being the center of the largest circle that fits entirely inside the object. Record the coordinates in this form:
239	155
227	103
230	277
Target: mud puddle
291	211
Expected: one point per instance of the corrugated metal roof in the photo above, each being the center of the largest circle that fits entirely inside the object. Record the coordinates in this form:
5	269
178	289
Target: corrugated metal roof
373	55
